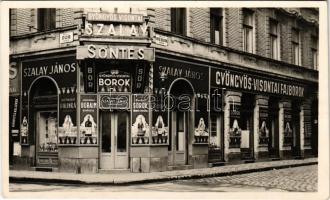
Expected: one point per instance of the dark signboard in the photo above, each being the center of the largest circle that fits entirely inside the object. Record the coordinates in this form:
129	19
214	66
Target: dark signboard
89	76
140	119
14	116
114	81
24	126
114	101
14	78
67	128
140	78
63	70
88	120
243	81
167	70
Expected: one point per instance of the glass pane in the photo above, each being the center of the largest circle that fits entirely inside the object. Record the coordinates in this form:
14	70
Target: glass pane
273	27
181	139
106	131
122	132
47	132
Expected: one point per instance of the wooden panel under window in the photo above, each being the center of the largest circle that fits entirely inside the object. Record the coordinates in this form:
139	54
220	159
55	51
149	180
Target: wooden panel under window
46	19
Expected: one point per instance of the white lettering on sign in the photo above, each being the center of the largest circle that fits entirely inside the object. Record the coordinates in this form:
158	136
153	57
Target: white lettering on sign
180	72
115	17
115	52
116	30
114	82
13	70
66	37
49	70
160	40
247	82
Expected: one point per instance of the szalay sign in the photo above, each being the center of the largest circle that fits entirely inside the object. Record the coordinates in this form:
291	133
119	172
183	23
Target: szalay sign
116	24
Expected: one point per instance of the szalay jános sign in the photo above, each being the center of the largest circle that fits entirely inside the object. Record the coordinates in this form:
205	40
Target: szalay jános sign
232	79
115	52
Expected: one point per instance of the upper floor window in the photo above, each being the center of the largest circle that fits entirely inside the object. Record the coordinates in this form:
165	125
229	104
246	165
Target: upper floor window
216	26
295	46
178	21
46	19
314	49
274	39
248	31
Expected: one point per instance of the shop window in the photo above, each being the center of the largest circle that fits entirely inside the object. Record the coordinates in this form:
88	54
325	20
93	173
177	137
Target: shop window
295	47
178	21
274	39
248	31
314	50
216	21
46	19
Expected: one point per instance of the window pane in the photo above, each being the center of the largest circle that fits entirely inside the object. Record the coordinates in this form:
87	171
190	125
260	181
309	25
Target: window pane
216	25
106	132
122	132
178	20
47	132
247	18
295	35
46	18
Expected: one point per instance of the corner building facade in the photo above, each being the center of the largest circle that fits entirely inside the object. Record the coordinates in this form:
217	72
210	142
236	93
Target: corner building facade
156	89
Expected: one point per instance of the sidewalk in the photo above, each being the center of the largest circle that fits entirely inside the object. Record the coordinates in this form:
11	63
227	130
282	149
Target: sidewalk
132	178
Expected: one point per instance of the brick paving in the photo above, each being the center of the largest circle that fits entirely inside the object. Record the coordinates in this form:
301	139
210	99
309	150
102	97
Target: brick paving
297	179
129	178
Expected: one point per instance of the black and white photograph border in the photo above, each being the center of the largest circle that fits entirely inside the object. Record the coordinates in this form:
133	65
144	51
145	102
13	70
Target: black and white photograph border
165	99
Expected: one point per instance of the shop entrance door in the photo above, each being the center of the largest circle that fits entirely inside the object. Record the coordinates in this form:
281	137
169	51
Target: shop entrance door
180	137
114	139
274	144
46	128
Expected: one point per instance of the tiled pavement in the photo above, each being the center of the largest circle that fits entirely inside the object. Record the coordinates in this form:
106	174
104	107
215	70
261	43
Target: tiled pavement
299	179
125	178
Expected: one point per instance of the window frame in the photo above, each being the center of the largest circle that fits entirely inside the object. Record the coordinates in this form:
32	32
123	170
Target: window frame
314	50
216	18
248	31
274	36
179	26
295	47
46	19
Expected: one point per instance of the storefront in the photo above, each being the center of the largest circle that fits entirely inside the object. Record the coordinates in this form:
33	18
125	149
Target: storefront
264	117
115	103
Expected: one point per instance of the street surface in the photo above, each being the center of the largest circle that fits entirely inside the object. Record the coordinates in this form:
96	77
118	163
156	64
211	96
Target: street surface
297	179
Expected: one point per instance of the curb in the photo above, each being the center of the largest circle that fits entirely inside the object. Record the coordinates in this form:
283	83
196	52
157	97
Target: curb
151	180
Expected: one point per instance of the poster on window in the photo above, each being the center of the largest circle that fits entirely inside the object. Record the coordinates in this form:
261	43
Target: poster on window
14	117
235	115
201	132
140	119
287	123
235	130
263	122
159	130
88	120
24	127
67	128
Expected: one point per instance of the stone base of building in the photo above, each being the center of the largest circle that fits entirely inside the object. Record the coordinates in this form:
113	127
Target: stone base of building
262	155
